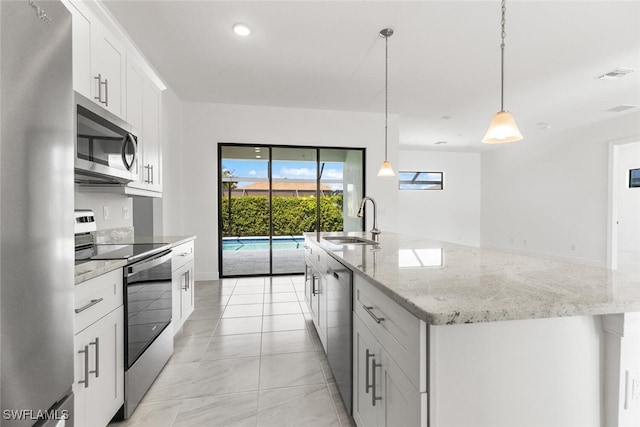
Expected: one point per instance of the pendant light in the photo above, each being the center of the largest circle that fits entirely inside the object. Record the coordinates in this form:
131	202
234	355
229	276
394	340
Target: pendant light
386	169
503	126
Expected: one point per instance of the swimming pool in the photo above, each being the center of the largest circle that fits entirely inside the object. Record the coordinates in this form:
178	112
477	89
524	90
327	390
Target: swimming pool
261	243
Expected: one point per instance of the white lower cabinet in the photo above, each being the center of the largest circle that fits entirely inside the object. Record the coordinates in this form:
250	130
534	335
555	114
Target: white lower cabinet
182	279
183	295
383	394
99	370
315	288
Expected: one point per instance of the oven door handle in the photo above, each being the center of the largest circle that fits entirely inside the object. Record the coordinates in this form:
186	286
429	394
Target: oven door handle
146	265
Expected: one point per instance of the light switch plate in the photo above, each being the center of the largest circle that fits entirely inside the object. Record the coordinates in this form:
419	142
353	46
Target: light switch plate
105	213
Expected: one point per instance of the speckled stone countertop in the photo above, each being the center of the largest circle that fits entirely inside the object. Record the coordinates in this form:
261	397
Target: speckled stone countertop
131	240
445	283
90	269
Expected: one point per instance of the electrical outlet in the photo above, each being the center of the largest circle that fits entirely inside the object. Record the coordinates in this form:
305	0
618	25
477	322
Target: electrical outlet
125	212
632	398
105	213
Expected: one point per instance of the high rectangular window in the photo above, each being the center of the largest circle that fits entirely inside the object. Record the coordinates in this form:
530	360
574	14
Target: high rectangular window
420	180
634	178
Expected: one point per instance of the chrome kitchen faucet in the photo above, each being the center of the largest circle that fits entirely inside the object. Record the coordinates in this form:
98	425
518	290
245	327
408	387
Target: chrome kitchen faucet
374	231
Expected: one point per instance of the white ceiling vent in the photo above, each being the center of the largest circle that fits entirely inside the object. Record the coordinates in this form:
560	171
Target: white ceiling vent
621	108
616	74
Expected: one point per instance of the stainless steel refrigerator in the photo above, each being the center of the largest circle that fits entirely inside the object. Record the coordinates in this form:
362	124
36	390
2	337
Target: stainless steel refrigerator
36	213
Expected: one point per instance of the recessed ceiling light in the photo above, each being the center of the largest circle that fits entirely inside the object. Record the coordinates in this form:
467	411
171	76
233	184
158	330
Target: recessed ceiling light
241	30
258	157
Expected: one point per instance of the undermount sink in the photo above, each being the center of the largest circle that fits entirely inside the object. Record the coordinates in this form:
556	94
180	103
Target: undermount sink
349	240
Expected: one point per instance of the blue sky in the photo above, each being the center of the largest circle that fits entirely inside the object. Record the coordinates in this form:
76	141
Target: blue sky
281	169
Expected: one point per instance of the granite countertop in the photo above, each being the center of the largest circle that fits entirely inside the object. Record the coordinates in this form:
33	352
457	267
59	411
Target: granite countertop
132	240
90	269
445	283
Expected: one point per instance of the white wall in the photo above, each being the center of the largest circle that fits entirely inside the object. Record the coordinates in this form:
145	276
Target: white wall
190	206
628	199
168	214
96	201
451	214
549	195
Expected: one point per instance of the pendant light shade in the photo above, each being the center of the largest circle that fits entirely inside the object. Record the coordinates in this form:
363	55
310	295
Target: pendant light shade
503	126
502	129
386	169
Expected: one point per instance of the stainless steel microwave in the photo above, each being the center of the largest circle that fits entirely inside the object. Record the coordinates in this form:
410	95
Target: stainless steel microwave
106	146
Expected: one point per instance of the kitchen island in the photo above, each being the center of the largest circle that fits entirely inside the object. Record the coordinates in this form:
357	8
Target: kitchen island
488	338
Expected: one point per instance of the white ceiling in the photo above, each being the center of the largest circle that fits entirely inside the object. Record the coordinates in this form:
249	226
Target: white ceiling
444	59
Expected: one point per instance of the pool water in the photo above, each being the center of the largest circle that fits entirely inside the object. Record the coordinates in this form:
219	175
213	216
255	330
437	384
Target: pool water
262	244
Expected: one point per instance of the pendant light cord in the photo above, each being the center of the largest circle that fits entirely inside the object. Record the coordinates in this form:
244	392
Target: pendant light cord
503	35
386	92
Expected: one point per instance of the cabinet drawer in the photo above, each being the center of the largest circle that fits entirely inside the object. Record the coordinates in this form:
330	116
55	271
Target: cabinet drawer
400	333
315	256
182	254
97	297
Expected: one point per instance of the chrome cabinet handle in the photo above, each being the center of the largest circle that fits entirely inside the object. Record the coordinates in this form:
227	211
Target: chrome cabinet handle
374	365
91	304
106	93
86	366
151	169
368	310
314	291
186	281
147	179
99	79
369	355
97	344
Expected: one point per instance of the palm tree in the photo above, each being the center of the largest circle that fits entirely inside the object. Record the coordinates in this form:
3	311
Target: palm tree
227	182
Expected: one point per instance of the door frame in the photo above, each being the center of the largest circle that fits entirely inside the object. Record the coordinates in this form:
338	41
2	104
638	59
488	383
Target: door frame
612	199
269	147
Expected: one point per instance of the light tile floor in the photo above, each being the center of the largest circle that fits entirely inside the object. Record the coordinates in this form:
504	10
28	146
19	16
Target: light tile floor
248	356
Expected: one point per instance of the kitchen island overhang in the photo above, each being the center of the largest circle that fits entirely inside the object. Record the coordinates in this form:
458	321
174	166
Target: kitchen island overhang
510	339
459	284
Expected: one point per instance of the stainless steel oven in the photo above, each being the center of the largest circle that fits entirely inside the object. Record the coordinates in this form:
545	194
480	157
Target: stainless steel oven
148	337
106	146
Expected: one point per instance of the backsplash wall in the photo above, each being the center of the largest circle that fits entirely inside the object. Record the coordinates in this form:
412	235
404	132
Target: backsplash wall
117	204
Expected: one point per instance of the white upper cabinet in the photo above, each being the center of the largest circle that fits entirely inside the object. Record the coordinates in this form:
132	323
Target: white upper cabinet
107	69
82	80
144	102
151	148
98	59
134	79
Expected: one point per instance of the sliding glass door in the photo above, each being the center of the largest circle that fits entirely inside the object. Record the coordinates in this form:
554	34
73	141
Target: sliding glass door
270	195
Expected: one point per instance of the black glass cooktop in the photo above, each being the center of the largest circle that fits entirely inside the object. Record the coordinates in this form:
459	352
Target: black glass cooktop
128	252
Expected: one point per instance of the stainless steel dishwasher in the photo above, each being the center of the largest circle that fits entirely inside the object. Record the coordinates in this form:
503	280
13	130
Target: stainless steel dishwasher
339	327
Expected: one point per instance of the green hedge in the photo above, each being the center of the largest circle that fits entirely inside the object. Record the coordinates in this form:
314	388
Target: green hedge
291	215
